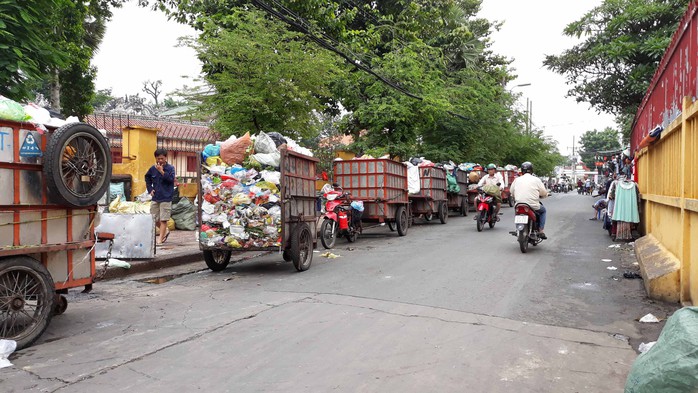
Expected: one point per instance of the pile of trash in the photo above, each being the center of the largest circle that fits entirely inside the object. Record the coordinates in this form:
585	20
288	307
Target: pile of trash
240	183
31	113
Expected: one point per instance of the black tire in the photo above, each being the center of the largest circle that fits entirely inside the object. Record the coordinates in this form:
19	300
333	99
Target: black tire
77	165
523	241
402	222
60	306
511	201
481	220
328	237
464	207
443	212
353	237
302	247
287	256
429	216
391	226
492	220
217	260
18	322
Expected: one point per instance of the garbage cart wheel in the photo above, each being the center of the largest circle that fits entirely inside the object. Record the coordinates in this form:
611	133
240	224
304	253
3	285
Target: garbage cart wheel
27	298
217	260
328	233
429	216
443	212
511	201
77	165
391	226
464	207
302	247
402	222
287	256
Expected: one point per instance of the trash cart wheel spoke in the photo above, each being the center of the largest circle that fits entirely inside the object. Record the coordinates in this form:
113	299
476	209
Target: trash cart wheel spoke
217	260
27	299
302	247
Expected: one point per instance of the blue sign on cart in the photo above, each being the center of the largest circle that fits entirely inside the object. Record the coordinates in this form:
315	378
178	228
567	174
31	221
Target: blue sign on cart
29	147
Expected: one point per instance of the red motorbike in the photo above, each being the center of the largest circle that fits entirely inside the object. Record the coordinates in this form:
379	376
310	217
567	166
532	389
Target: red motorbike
340	219
526	222
485	210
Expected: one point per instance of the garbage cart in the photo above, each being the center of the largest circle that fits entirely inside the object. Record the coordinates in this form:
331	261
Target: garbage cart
296	226
51	181
431	198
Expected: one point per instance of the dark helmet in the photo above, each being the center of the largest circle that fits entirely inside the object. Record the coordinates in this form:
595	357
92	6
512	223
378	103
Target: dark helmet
527	167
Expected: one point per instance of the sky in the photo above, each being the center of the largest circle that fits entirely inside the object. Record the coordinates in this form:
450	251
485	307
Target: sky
141	45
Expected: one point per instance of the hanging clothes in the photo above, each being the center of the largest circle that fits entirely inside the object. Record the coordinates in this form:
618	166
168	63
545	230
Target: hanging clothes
626	206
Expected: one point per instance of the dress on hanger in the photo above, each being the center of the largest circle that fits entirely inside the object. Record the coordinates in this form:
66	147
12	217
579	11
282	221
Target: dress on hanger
626	206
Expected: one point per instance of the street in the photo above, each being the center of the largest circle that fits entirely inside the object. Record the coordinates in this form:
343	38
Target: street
444	309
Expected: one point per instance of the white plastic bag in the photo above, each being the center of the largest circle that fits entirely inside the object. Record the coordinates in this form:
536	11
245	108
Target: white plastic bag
6	349
264	144
413	182
273	177
144	197
271	159
37	113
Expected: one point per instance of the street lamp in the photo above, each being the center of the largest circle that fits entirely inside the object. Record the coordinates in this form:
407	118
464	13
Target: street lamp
529	107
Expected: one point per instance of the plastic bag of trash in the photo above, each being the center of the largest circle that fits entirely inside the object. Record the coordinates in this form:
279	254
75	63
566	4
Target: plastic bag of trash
184	215
37	114
235	151
413	180
264	144
277	138
271	159
669	365
11	110
116	190
6	349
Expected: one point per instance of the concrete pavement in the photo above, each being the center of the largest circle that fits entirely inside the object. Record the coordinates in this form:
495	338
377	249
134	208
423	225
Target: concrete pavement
444	309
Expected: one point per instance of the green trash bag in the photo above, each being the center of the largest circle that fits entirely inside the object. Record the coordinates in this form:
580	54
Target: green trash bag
671	365
11	110
184	215
453	186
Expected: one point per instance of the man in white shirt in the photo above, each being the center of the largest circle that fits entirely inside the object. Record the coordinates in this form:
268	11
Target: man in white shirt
493	178
530	190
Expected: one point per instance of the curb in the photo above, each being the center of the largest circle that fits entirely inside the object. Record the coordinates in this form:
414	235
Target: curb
147	265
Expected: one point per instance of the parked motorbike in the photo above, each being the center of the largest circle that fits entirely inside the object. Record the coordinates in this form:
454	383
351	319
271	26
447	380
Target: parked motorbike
526	222
485	210
339	219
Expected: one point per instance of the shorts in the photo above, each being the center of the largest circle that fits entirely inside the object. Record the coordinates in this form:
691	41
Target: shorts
161	210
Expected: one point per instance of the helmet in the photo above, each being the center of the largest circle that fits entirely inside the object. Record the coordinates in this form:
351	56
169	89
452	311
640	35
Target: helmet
527	167
491	166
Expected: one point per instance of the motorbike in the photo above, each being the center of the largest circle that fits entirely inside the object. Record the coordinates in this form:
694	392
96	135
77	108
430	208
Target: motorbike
526	222
485	210
339	219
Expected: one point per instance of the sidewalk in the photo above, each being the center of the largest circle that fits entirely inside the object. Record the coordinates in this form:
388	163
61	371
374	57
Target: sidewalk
180	248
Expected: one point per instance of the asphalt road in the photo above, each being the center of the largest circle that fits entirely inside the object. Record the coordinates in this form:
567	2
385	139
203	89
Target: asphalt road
443	309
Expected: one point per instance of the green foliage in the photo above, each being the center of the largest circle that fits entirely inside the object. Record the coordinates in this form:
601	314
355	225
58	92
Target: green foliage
265	77
101	98
26	46
623	42
595	141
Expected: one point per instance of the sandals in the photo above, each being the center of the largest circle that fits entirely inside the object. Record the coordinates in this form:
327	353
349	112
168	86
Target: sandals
166	236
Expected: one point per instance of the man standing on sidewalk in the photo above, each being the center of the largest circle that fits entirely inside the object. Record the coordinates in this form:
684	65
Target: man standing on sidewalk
159	180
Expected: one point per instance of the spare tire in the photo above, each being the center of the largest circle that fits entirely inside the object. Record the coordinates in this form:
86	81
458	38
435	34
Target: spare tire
77	165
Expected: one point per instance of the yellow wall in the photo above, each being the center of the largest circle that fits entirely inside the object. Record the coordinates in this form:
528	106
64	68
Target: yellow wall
668	181
138	146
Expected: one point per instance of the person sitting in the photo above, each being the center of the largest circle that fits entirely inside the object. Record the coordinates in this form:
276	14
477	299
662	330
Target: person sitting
493	178
530	190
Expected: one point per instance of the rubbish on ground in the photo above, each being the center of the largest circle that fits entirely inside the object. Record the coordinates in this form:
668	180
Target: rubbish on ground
612	268
350	248
606	260
671	364
631	275
330	255
119	263
644	347
649	318
614	246
6	349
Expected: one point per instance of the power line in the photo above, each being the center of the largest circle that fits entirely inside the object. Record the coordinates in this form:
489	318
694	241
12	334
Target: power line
304	27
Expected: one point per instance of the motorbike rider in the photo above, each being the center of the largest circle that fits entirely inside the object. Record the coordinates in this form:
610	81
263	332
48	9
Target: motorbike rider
493	178
530	190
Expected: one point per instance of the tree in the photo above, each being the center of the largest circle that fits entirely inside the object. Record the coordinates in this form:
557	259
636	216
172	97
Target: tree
101	98
624	40
263	76
26	46
596	141
153	89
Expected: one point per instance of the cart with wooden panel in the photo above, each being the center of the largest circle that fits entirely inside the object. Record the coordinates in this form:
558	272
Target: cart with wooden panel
458	201
51	180
381	184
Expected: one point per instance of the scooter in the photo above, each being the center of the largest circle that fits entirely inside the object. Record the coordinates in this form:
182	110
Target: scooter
340	219
485	210
526	222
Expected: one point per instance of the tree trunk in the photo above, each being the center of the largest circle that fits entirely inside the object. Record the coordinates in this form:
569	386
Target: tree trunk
55	91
